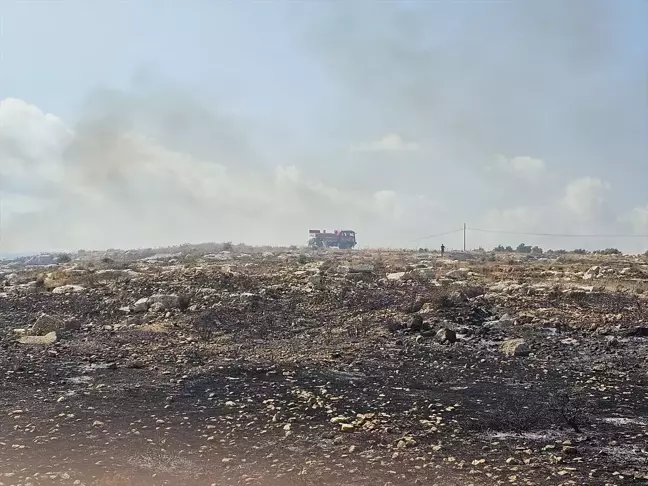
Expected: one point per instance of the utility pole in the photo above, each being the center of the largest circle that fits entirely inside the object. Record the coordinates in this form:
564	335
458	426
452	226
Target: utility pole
464	236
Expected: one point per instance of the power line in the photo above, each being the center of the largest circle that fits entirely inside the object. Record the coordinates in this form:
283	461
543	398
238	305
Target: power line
438	234
557	234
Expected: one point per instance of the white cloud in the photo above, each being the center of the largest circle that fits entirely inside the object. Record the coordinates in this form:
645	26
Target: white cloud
392	142
523	167
585	196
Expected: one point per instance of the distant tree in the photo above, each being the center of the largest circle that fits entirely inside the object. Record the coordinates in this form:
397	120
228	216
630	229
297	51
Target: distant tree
228	246
63	258
580	251
499	249
537	250
522	248
509	249
609	251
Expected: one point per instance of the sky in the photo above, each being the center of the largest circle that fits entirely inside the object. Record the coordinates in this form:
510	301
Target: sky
135	123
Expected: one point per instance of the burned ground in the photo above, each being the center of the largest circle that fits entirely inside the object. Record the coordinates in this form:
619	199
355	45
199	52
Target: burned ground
290	370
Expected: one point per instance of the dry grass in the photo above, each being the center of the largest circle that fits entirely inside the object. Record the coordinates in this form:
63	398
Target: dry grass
167	463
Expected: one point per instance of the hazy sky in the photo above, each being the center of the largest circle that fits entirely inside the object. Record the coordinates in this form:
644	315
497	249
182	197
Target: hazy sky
141	123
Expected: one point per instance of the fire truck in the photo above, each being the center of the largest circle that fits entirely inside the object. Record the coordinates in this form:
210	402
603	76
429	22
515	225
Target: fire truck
343	239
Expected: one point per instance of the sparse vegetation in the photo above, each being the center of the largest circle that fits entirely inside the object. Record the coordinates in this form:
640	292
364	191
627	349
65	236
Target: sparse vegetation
413	364
608	251
522	248
63	258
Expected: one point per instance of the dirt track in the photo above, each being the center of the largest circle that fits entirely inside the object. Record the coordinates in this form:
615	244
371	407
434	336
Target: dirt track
285	371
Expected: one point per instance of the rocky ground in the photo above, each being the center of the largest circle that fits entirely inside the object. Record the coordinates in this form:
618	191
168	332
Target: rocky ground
333	368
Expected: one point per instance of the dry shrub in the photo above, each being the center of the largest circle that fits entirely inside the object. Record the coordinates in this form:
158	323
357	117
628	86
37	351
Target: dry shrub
166	463
118	479
472	291
184	301
569	409
522	412
359	328
518	413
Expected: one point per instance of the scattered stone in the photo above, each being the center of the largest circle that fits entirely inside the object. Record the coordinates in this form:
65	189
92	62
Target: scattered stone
141	305
47	339
416	323
68	289
165	301
515	347
446	335
457	274
593	272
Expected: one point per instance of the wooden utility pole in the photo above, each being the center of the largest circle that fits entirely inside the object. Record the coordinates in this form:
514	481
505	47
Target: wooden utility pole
464	236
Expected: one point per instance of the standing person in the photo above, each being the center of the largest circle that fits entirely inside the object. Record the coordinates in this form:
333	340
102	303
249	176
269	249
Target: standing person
442	249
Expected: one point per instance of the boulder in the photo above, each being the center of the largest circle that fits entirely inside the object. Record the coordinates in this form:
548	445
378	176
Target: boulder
446	335
638	331
593	272
68	289
417	323
47	339
157	307
168	301
360	268
141	305
46	324
457	274
396	276
515	347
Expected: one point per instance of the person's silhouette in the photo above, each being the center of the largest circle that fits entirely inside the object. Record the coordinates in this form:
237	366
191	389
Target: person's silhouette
442	249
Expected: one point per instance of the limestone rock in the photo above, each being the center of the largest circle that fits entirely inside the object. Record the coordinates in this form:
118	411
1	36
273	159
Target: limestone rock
515	347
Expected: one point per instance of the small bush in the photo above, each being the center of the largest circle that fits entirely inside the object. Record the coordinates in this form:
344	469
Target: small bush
184	301
63	258
303	259
580	251
568	410
522	248
518	413
609	251
207	325
359	329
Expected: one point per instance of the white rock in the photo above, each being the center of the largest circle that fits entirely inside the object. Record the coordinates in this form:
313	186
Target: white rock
168	301
68	289
458	274
395	276
49	338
